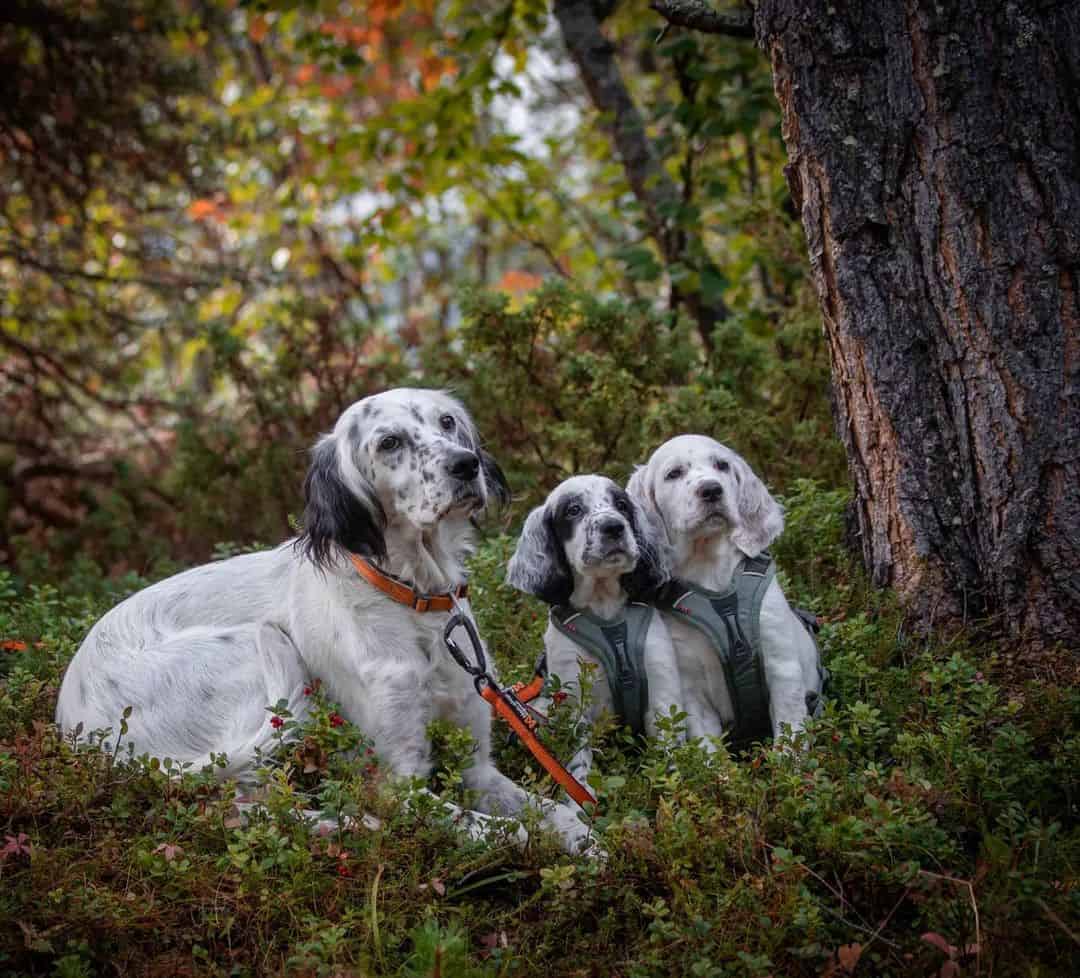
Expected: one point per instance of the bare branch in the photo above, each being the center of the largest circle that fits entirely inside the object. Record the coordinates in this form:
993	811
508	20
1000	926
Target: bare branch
700	16
654	189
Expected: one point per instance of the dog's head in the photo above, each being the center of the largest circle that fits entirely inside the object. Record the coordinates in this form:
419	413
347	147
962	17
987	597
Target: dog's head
588	528
697	488
407	458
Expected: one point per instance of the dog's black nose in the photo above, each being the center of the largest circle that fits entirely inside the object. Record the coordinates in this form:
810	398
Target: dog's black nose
463	466
612	529
710	491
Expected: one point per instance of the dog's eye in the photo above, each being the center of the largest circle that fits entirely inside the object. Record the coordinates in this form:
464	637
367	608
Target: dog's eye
389	443
573	511
674	474
722	466
448	423
623	506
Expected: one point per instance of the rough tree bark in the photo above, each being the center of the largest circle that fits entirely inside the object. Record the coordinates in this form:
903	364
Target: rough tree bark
935	154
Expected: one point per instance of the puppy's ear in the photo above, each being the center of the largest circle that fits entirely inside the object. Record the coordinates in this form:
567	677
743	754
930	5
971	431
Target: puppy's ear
654	565
497	486
335	514
639	489
760	518
539	565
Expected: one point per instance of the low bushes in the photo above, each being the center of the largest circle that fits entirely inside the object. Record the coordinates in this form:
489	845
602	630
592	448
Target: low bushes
926	825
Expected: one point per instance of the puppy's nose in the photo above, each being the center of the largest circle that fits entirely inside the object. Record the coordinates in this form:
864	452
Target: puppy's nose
463	466
710	491
611	529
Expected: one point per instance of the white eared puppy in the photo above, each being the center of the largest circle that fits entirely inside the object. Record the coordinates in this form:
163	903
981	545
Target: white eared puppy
719	518
592	554
199	656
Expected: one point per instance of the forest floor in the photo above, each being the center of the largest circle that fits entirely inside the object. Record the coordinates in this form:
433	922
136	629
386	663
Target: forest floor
926	826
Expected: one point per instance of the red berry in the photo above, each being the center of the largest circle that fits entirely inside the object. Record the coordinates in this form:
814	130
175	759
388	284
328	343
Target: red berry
336	719
276	722
558	697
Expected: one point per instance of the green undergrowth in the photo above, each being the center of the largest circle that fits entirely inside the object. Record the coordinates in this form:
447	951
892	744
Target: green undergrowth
925	825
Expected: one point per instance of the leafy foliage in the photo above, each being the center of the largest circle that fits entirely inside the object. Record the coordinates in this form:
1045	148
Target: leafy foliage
276	211
220	223
924	820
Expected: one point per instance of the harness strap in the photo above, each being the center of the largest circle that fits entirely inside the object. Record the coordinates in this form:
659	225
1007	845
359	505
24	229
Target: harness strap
619	646
731	621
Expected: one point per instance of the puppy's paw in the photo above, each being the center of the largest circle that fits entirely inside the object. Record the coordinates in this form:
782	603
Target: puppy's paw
577	836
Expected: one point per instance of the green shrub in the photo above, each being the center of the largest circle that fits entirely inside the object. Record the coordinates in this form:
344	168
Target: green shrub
933	786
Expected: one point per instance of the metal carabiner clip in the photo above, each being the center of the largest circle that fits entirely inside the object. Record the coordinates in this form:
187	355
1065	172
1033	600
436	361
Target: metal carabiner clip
477	670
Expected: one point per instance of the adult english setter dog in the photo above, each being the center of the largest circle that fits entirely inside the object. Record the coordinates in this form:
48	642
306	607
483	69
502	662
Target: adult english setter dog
593	554
199	656
718	515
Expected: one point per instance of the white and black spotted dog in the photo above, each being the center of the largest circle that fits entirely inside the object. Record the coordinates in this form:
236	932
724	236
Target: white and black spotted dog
200	656
591	553
719	518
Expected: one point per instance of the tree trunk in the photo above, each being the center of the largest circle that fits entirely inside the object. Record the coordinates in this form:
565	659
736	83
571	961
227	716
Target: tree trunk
935	155
655	191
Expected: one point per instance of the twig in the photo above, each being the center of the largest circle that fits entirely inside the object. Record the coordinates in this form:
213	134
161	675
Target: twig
1055	919
700	16
974	908
375	915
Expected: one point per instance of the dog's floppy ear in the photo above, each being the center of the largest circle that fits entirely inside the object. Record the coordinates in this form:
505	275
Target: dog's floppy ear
539	565
335	514
654	565
640	492
760	518
497	486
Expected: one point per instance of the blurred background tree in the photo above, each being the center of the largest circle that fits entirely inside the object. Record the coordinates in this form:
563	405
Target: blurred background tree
222	222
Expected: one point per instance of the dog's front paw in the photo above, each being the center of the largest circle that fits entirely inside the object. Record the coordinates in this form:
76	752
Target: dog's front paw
576	835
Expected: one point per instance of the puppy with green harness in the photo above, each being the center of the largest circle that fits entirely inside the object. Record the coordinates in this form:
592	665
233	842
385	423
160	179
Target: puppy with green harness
749	666
593	555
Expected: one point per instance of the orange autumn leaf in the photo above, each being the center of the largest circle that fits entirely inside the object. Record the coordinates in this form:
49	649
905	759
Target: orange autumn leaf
305	73
380	11
200	210
13	645
258	28
516	281
432	69
336	87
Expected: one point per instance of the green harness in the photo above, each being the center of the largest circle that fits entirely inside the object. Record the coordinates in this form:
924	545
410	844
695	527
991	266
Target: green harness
731	621
619	646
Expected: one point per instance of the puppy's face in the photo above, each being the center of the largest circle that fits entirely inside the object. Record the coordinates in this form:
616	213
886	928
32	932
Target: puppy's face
418	453
695	485
594	524
406	458
588	527
698	488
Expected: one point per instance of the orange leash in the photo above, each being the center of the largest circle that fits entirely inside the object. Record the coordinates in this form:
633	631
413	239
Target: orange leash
504	707
510	705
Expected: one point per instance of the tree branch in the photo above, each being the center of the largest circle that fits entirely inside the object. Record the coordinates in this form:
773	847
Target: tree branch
594	55
700	16
654	189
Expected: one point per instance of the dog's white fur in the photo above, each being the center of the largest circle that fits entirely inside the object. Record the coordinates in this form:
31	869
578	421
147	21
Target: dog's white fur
591	547
200	656
714	510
